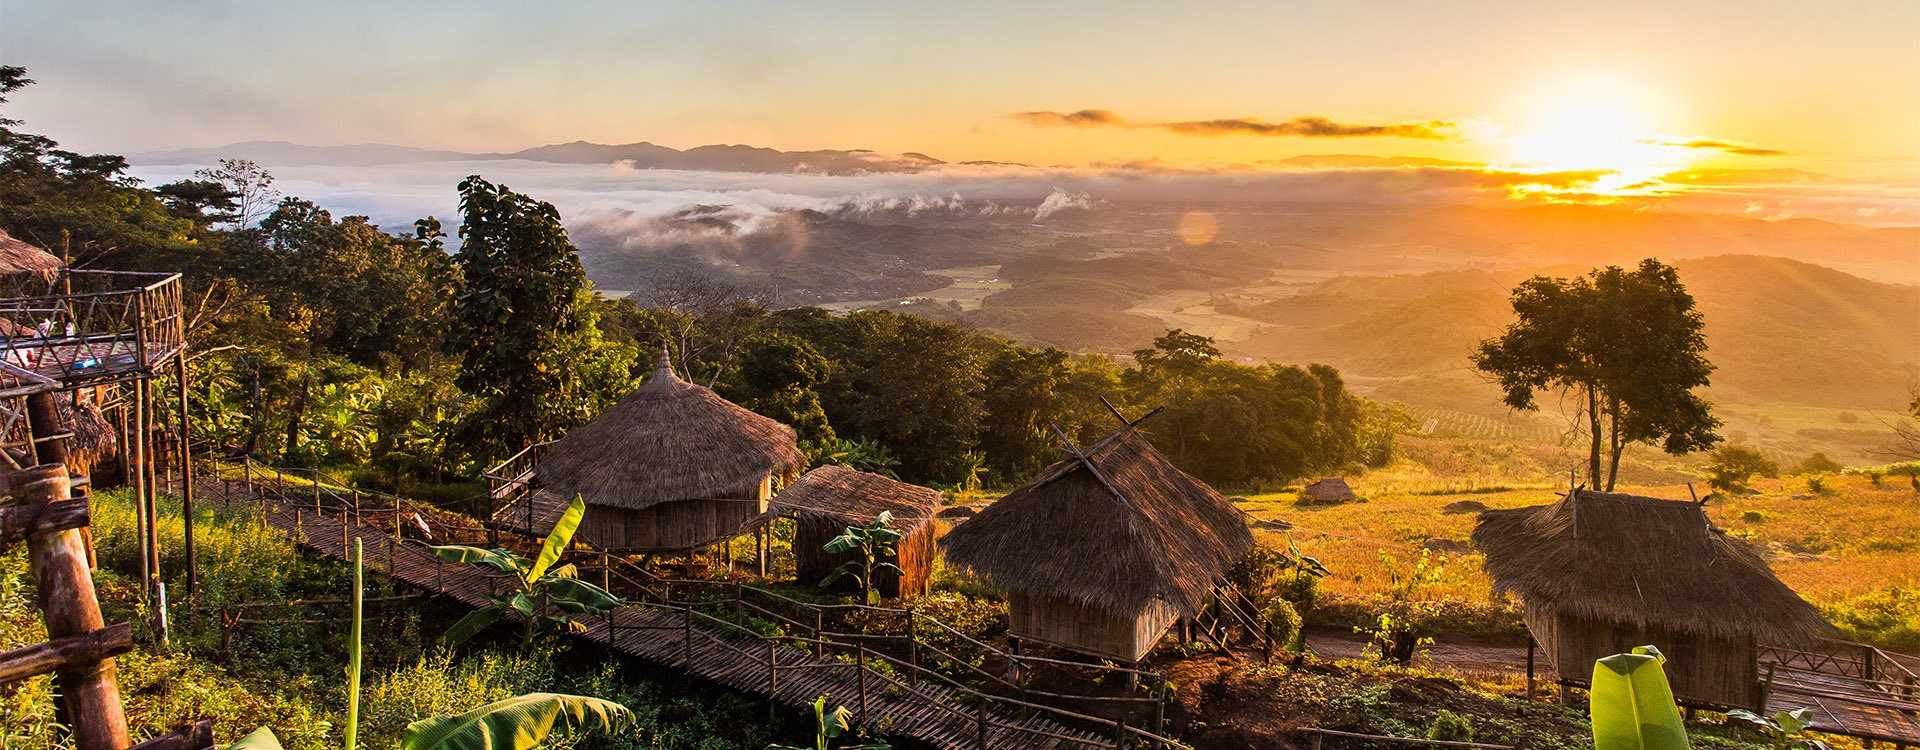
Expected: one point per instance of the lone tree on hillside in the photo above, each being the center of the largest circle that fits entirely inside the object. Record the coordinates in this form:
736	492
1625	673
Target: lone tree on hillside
1627	344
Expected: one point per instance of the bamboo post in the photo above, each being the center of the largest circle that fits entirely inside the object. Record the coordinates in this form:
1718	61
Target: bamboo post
860	673
980	724
686	636
773	672
1160	707
134	457
606	570
819	641
152	492
913	647
1529	666
186	473
70	606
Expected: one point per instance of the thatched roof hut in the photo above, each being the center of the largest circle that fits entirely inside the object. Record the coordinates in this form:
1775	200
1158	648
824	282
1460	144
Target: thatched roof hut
1600	573
831	498
1328	491
1102	555
19	258
671	467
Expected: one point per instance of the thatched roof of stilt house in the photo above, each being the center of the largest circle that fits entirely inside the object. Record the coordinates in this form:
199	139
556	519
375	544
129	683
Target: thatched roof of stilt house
1641	561
1116	539
18	257
841	495
91	430
669	440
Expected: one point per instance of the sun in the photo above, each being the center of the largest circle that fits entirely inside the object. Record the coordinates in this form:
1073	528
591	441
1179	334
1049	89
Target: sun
1582	127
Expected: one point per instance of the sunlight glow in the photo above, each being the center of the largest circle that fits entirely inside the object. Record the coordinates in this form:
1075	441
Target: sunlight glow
1591	125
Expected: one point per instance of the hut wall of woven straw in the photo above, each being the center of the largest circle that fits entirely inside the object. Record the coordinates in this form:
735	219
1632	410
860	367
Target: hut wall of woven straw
831	498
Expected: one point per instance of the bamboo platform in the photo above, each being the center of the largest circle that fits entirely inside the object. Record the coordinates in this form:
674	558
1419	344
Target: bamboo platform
679	637
1873	699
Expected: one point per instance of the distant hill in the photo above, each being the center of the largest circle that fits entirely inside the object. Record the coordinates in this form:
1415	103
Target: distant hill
1781	331
641	155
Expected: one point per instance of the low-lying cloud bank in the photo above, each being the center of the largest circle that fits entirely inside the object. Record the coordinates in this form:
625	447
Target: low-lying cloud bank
648	206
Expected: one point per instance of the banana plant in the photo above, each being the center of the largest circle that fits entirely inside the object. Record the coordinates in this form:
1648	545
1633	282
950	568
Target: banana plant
522	722
1632	705
518	723
873	542
829	726
1784	730
534	580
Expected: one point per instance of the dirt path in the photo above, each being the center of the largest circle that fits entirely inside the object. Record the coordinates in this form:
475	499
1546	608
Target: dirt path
1500	655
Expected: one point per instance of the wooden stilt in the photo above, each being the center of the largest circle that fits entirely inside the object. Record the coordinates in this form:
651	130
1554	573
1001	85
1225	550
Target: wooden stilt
1529	666
186	474
90	694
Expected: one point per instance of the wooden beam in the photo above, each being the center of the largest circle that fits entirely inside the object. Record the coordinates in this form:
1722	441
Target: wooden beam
17	522
1088	462
195	735
81	650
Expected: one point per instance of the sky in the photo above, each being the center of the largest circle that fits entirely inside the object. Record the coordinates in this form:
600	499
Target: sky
1831	87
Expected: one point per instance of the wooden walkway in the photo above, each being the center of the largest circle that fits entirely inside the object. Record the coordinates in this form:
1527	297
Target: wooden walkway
680	637
1866	694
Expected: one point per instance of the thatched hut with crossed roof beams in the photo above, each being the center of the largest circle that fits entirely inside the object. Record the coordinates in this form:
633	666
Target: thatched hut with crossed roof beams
1105	551
1600	573
831	498
673	467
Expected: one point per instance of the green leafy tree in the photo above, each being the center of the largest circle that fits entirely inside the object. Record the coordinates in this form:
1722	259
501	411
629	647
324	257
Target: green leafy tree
776	375
1629	346
523	722
859	454
523	325
873	545
535	581
1733	466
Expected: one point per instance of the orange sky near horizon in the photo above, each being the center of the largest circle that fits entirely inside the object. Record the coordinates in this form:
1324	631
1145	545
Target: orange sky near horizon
1835	86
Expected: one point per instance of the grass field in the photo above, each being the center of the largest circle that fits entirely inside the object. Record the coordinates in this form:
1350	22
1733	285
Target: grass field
1849	546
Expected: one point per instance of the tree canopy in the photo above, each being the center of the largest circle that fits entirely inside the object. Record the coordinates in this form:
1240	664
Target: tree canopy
1628	345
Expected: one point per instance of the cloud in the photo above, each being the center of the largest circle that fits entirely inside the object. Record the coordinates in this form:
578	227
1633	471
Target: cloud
1061	200
1304	127
1715	144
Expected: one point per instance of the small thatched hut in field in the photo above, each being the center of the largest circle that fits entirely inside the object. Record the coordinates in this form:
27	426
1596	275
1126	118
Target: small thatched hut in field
1103	555
1600	573
17	258
673	467
1328	491
831	498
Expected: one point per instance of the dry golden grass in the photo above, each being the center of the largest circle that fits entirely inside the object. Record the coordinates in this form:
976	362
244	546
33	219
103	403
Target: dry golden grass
1850	540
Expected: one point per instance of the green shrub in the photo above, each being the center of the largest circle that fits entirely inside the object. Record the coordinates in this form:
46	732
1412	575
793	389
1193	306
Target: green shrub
1733	466
1450	727
1818	463
1888	617
1283	621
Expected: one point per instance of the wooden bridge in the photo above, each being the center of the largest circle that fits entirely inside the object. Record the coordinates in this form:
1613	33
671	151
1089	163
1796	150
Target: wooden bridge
1852	688
719	631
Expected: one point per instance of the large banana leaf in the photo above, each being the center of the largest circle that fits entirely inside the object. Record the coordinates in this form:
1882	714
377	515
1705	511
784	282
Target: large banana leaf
1632	705
259	739
558	539
501	560
470	626
518	723
577	596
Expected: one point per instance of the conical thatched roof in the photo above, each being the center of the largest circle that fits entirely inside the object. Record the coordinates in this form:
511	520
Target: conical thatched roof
668	440
1637	560
1166	535
842	495
18	257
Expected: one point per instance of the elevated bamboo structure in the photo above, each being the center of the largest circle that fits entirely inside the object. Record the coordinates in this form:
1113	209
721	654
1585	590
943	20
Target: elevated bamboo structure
1600	573
831	498
671	468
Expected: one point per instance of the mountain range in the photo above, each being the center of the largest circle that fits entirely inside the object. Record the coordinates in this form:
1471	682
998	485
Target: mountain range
639	155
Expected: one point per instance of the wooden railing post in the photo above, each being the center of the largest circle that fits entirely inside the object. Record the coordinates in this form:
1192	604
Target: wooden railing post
980	724
773	671
819	640
860	672
686	631
913	647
